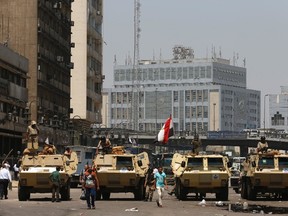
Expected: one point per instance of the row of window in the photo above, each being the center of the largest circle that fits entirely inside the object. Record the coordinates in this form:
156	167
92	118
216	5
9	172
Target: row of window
174	73
12	77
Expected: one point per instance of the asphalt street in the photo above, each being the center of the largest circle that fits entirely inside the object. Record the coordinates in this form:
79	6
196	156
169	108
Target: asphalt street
124	204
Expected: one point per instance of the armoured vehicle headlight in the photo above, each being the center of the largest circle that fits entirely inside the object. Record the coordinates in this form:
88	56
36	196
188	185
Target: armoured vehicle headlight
223	182
257	181
186	182
23	182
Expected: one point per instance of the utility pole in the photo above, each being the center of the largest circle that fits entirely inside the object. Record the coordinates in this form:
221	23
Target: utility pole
135	74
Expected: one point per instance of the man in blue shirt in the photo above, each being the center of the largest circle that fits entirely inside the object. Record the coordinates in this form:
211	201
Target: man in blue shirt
160	184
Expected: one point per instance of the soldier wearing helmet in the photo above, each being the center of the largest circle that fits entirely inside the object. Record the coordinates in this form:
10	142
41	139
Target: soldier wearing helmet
32	135
104	146
262	145
196	143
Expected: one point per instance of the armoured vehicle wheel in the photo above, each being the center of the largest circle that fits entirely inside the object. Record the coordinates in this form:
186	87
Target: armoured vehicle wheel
140	192
251	193
243	188
65	192
23	193
106	195
181	193
223	194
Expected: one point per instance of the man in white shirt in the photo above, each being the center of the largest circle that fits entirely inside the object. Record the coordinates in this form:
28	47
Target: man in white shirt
5	178
16	171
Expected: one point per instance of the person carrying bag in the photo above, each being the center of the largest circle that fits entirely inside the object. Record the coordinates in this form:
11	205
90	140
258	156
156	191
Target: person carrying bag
90	184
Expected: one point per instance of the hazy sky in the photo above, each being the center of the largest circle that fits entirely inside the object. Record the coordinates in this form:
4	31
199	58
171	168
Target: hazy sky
256	29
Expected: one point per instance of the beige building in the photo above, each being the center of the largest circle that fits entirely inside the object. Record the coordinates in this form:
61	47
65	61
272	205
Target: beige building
40	30
13	95
87	78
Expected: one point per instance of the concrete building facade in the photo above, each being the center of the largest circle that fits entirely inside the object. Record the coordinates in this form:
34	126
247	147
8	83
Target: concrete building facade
201	95
13	97
40	30
87	75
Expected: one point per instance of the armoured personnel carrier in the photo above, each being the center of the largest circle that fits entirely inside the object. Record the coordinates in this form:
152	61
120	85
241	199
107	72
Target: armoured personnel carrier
266	173
121	172
36	167
201	174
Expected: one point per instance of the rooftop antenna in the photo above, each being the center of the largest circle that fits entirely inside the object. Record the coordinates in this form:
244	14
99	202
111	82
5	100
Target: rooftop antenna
220	53
115	60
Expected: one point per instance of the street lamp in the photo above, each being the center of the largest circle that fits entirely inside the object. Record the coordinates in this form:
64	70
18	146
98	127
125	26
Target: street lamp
214	119
27	111
265	114
156	94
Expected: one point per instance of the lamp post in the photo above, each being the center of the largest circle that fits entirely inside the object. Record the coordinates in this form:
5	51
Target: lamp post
27	112
214	117
264	122
71	127
156	94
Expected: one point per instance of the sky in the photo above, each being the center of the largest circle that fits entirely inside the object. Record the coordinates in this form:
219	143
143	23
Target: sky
252	29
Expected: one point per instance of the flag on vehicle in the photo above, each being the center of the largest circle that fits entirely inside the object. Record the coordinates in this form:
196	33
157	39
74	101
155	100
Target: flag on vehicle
166	131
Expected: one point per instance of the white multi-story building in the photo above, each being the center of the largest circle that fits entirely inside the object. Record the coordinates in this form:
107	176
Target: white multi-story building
87	76
201	95
278	110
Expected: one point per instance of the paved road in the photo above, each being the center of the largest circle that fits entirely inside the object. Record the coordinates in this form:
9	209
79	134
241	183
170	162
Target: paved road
40	204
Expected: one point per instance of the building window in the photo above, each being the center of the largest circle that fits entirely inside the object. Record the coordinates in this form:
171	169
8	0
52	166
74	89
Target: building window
277	119
175	96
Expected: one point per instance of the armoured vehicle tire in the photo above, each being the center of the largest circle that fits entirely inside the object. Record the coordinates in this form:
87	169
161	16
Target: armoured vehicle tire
23	193
223	194
106	195
243	188
181	193
65	192
251	193
140	192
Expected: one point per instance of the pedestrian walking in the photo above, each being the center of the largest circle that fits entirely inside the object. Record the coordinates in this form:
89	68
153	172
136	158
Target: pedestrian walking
16	171
5	178
160	184
90	184
56	180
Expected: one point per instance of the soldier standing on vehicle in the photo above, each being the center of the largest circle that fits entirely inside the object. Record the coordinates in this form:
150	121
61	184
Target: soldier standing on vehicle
196	143
149	184
104	146
160	184
32	135
55	179
245	165
262	145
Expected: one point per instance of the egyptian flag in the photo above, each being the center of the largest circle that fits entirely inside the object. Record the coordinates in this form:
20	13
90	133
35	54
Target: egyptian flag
166	131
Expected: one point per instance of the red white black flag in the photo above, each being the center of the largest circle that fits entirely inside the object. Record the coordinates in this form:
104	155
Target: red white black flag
166	131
